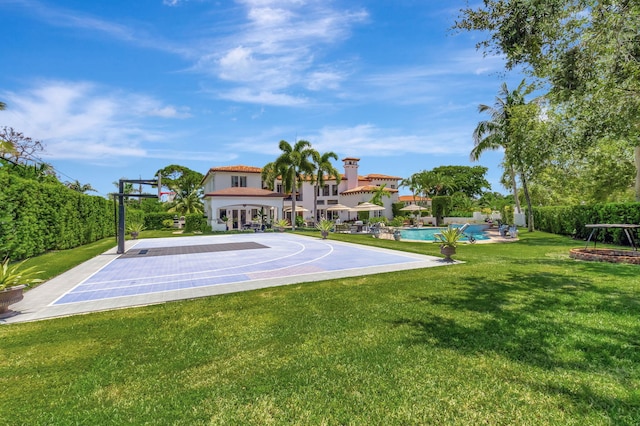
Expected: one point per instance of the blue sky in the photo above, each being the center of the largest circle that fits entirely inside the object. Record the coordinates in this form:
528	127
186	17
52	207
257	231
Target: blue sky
123	88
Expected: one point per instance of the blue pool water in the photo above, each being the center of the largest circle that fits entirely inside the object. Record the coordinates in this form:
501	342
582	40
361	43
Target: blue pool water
427	234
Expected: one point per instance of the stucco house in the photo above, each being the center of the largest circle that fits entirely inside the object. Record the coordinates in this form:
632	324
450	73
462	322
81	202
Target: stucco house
235	195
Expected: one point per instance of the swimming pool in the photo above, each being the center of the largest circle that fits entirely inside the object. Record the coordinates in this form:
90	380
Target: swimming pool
428	234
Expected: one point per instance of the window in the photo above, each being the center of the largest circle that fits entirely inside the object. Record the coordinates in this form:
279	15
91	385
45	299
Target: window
321	202
325	190
279	188
239	181
334	190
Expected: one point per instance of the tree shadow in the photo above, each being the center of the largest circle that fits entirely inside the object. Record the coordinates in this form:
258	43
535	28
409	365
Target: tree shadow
554	322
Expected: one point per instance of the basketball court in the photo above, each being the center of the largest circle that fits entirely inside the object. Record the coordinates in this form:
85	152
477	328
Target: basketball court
165	269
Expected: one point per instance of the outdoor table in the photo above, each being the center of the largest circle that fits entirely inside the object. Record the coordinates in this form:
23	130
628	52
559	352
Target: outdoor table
625	227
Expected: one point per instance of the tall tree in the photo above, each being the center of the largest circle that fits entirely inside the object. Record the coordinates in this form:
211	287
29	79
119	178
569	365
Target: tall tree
181	180
586	51
18	148
324	170
413	183
469	180
434	183
495	133
293	165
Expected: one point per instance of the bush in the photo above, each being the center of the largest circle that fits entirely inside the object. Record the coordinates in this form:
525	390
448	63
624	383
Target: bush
157	220
40	216
196	223
571	220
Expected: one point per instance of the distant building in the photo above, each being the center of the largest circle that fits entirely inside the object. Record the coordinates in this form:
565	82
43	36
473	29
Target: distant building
236	195
410	199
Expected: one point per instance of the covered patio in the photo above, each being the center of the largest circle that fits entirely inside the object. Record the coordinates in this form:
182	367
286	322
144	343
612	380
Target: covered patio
242	208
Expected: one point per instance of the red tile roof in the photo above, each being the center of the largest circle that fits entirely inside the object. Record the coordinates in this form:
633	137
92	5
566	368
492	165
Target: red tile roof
238	168
367	188
409	198
382	177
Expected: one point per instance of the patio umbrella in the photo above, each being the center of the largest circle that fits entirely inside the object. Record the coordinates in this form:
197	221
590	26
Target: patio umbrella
298	209
337	208
367	207
413	208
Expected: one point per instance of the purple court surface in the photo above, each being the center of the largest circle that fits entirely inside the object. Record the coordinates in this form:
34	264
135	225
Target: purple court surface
165	269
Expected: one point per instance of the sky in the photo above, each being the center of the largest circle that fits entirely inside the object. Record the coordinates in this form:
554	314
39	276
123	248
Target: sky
120	89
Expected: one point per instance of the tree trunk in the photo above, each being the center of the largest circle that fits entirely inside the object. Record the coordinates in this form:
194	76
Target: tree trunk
525	188
636	157
514	187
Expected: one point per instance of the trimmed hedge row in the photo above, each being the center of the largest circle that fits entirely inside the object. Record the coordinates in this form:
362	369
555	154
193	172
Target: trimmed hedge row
571	220
37	217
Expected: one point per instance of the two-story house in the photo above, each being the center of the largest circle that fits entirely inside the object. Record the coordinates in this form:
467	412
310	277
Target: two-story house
238	195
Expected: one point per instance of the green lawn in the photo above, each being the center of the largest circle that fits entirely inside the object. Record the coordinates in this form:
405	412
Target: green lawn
519	334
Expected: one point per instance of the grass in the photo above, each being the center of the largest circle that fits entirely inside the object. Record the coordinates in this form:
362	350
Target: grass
519	334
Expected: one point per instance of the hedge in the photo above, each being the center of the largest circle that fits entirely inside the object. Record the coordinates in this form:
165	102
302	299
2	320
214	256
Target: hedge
196	223
37	217
441	206
571	220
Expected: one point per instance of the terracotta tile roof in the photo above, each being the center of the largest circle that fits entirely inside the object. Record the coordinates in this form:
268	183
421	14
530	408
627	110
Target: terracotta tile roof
350	158
238	168
244	192
367	188
382	177
409	198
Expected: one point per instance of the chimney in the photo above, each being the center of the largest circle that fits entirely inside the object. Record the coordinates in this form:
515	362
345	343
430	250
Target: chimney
351	171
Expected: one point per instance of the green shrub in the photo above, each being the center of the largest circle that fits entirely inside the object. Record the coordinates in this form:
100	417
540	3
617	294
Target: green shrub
157	220
47	216
571	220
196	223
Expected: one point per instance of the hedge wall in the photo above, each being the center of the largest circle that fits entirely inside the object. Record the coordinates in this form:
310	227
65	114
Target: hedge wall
571	220
36	217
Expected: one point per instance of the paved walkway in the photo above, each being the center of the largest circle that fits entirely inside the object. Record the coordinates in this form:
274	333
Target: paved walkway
166	269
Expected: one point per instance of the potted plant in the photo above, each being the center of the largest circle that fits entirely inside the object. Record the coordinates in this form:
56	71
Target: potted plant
281	224
134	228
12	283
324	226
448	239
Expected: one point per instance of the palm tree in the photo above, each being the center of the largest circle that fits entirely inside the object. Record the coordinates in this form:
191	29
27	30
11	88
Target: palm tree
293	165
189	204
80	187
379	193
433	183
494	134
323	168
413	183
3	106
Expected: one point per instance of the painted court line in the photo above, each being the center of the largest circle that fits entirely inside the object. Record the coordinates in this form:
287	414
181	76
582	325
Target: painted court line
110	281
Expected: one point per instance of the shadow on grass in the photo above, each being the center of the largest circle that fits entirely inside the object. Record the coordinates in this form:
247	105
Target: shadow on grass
551	321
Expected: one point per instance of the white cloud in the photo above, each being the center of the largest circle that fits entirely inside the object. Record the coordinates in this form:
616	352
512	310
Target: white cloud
79	120
279	48
261	97
367	140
